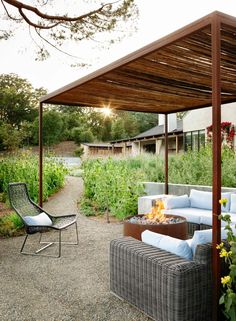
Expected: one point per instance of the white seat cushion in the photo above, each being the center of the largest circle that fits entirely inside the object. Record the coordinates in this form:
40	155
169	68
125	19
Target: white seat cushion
41	219
192	215
206	219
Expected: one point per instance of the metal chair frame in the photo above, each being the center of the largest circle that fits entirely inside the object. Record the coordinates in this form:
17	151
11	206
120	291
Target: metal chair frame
21	188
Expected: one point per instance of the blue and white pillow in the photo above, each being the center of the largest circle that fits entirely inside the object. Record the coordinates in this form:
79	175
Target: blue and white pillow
203	237
233	203
203	200
167	243
176	202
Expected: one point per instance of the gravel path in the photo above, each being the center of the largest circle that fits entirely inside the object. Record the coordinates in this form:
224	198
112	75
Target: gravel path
72	288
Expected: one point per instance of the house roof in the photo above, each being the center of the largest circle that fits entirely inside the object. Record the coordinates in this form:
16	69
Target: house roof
160	130
169	75
101	145
153	132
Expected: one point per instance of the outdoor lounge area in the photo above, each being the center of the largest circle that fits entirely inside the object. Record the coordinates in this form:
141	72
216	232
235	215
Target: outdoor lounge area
190	69
143	225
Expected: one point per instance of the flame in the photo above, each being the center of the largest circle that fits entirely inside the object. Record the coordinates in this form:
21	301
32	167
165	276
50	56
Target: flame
155	214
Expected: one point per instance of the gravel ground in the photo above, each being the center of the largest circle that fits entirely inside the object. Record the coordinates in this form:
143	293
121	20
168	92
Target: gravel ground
72	288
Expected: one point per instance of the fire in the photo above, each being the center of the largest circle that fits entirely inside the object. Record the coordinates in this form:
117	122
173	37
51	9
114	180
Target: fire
156	214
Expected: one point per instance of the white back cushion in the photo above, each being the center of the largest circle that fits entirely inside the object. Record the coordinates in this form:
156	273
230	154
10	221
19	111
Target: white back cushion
233	203
203	199
176	202
203	237
167	243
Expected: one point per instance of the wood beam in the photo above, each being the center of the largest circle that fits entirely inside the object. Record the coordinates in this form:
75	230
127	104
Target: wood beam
216	121
166	154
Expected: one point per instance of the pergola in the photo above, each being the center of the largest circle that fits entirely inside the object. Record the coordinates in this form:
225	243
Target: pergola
191	68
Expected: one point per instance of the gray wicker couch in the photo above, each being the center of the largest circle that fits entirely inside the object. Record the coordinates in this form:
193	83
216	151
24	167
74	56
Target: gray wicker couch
161	284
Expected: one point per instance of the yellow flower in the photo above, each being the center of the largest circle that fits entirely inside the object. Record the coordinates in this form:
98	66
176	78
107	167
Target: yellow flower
226	279
219	246
223	253
223	201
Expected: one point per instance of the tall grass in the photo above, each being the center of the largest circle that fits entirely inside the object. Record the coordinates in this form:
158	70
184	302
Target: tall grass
115	184
111	184
23	167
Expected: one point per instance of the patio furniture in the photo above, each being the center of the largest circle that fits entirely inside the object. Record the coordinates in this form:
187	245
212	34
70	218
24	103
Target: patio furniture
196	208
161	284
37	220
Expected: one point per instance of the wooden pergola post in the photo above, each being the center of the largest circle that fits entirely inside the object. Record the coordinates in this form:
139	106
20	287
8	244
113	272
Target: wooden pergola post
41	154
216	121
166	154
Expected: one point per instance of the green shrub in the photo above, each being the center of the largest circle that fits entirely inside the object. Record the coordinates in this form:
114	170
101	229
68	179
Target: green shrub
114	184
10	224
24	168
195	167
79	151
109	184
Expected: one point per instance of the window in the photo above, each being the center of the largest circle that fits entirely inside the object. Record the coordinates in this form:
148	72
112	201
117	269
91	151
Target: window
187	141
202	138
194	140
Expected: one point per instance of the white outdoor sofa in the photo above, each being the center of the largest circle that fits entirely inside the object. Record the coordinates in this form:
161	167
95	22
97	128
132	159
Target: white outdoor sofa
196	208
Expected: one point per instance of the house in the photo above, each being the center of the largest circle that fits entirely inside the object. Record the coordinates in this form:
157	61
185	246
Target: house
101	149
196	122
152	140
190	133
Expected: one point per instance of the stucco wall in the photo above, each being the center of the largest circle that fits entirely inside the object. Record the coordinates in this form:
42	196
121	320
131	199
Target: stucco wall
153	188
202	118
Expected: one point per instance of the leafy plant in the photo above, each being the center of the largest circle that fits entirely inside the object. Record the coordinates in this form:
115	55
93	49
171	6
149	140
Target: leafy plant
23	167
228	297
114	184
79	151
110	185
10	224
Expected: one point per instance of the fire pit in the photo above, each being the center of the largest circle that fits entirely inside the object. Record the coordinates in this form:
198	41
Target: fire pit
175	226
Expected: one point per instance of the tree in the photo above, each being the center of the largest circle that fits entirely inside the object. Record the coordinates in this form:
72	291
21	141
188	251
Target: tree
82	135
52	128
145	120
75	21
10	138
18	100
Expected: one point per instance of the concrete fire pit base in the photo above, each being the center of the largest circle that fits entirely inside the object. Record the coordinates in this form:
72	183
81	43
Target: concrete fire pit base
177	229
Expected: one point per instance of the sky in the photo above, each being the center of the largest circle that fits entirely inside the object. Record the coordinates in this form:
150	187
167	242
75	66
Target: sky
156	19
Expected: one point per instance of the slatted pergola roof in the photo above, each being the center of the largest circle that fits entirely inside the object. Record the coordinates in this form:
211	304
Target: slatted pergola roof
169	75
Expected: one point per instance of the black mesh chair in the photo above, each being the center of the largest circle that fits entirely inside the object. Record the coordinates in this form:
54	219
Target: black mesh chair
25	208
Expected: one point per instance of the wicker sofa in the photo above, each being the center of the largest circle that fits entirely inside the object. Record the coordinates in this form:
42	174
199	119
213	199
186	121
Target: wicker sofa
163	285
